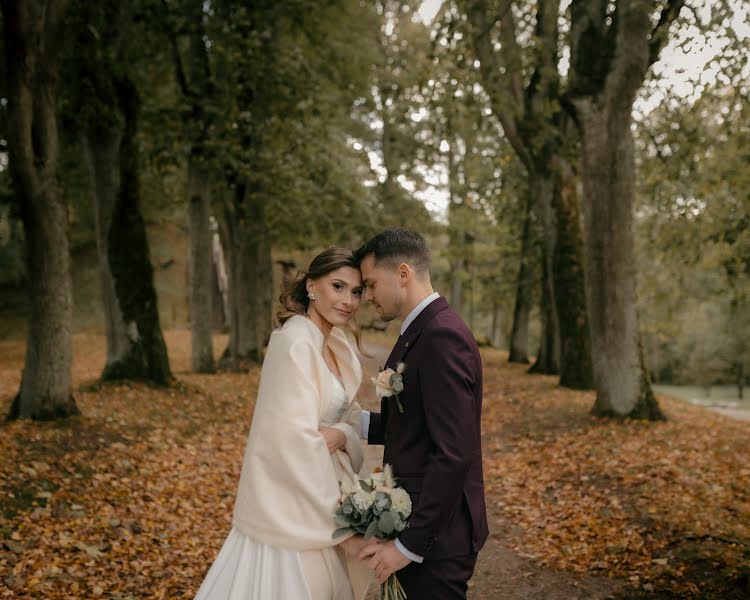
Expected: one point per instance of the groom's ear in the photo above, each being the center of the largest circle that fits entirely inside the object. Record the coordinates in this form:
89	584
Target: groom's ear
405	272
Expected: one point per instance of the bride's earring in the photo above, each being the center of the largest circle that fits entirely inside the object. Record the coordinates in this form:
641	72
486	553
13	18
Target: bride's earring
311	295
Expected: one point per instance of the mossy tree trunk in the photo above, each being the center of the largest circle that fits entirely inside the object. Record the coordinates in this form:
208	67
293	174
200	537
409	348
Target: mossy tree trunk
107	101
32	34
624	43
129	260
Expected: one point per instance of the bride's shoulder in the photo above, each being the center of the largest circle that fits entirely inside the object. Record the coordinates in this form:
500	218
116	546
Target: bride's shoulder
298	329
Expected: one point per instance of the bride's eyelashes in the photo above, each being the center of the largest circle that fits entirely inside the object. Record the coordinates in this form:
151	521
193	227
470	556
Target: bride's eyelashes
358	291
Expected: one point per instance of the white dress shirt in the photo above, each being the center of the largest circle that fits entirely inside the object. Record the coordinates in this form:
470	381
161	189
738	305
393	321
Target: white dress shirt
365	415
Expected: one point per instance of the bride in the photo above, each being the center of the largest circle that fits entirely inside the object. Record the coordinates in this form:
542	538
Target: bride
303	442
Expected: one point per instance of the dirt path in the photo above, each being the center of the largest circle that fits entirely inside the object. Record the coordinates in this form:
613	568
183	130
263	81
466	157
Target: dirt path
500	573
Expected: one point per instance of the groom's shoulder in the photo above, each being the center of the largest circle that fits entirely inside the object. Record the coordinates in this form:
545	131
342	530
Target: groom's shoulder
449	324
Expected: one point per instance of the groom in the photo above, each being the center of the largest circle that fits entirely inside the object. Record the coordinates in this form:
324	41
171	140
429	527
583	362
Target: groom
434	445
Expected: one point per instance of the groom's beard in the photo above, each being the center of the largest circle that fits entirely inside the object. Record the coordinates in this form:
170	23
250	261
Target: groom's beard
389	316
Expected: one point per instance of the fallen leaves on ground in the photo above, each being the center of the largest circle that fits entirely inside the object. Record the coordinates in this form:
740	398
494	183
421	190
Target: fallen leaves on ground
665	506
134	498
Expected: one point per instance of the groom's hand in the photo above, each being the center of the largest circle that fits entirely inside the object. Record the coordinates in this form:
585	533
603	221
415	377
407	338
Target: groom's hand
385	559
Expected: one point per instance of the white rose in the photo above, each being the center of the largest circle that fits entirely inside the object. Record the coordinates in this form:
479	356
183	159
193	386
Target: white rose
400	501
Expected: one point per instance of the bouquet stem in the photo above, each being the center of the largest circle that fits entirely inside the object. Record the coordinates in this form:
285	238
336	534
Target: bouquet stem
392	590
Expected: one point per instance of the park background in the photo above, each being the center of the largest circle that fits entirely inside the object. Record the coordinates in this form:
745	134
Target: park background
580	170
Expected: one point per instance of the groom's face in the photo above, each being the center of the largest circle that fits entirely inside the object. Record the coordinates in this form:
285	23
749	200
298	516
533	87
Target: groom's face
383	287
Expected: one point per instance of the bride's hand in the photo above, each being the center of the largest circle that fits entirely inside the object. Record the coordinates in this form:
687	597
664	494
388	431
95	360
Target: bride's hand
355	544
335	438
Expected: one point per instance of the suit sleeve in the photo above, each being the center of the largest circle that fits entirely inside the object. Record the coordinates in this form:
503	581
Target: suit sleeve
376	433
447	388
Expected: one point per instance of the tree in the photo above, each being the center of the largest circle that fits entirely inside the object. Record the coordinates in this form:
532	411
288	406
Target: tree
32	37
613	45
386	111
524	84
197	87
108	109
282	138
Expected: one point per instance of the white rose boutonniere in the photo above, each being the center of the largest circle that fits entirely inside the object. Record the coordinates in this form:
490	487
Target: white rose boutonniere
391	383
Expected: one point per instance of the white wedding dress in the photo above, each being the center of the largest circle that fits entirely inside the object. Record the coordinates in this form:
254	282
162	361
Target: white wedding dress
248	570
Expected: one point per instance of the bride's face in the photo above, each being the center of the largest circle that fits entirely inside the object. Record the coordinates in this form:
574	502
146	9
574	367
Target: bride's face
337	295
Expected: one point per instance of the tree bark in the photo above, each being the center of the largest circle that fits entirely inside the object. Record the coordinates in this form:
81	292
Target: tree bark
600	99
32	35
536	128
576	370
496	334
129	261
110	106
198	91
622	382
250	280
102	153
548	358
201	268
549	345
519	336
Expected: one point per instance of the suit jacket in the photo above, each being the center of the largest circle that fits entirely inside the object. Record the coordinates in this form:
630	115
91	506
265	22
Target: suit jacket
435	446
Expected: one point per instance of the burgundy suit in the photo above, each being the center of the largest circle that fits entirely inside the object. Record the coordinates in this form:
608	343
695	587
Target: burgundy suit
435	449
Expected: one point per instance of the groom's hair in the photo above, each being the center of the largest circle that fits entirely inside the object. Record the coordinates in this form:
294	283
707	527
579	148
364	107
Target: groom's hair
395	246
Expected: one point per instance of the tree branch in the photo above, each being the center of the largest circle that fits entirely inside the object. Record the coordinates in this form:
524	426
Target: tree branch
660	33
179	68
507	106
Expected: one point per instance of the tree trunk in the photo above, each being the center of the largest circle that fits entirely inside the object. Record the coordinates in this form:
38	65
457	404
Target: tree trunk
264	291
542	185
201	268
622	382
458	268
32	36
576	371
519	336
496	335
250	270
198	91
102	154
740	379
135	348
549	345
130	264
220	300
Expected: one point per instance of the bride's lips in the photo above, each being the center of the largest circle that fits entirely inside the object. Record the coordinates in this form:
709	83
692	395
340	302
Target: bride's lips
344	312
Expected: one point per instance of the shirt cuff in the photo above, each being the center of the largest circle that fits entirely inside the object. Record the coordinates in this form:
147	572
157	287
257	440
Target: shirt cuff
364	424
408	553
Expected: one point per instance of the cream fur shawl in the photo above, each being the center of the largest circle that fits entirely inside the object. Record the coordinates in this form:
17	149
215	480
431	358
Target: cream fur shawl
289	486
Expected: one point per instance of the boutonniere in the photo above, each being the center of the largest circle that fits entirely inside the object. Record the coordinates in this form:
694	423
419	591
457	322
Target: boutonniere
390	383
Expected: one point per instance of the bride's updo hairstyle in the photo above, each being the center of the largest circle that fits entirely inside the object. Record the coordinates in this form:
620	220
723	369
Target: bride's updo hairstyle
294	300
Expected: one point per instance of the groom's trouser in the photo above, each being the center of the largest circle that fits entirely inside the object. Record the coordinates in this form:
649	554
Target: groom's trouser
444	579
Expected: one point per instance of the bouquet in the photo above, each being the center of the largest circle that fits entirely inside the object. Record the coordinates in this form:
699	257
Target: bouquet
375	507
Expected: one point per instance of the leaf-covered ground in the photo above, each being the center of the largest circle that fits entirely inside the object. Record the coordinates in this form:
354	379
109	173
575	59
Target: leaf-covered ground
134	498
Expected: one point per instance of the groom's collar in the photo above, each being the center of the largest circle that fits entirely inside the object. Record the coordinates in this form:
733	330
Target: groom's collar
417	310
407	339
